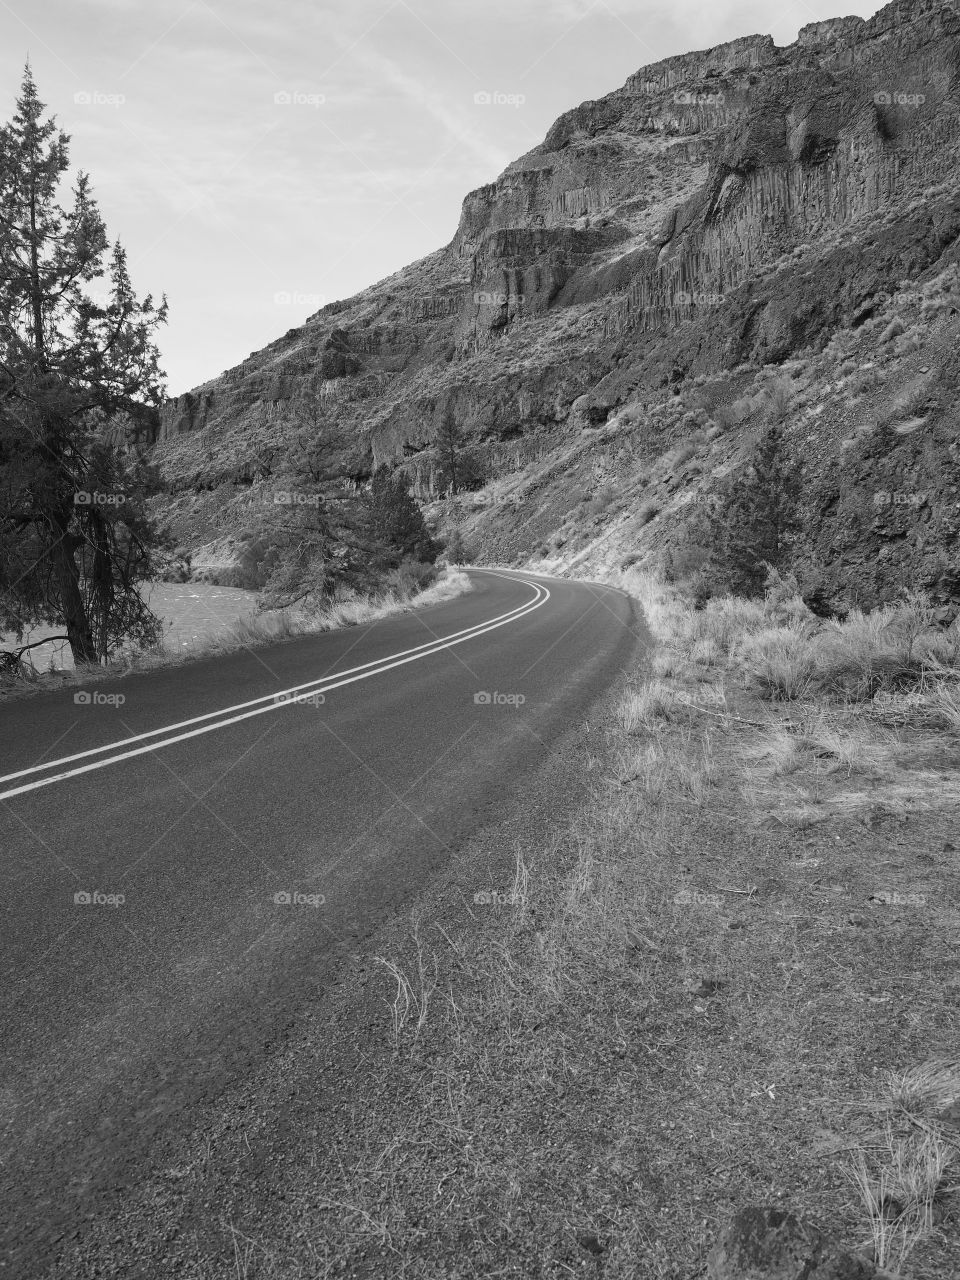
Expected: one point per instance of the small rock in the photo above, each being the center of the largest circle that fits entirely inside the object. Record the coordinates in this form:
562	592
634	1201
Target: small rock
765	1243
709	987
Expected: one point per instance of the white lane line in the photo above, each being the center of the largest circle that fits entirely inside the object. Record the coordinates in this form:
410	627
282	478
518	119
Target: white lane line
363	672
315	686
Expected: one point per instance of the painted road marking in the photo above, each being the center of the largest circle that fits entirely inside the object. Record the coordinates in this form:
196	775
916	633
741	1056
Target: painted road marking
276	701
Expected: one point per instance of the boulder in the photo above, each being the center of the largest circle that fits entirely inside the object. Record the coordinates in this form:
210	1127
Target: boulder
767	1243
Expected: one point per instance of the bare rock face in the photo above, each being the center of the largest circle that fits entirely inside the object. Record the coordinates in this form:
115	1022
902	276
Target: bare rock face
726	207
770	1244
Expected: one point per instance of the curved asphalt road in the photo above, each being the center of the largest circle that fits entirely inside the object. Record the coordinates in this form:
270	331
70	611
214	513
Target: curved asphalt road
119	1016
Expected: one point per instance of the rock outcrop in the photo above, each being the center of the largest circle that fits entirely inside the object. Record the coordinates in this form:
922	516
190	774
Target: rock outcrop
734	206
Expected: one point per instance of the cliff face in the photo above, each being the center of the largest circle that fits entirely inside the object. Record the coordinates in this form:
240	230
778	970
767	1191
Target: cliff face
729	206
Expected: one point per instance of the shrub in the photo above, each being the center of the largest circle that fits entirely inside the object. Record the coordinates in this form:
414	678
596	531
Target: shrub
685	560
724	620
602	500
780	662
777	399
734	414
456	550
411	576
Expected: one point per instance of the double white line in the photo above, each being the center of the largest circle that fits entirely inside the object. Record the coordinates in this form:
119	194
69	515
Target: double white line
125	748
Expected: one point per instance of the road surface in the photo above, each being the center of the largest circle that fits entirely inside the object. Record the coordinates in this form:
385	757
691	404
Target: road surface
186	869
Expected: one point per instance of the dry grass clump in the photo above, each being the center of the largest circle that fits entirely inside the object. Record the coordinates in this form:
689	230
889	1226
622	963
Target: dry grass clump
853	746
259	629
666	663
684	768
350	611
893	648
784	653
706	652
412	991
654	701
944	702
779	662
898	1183
905	1170
665	613
723	621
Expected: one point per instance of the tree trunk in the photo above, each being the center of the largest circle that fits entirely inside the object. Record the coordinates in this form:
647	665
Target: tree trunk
75	618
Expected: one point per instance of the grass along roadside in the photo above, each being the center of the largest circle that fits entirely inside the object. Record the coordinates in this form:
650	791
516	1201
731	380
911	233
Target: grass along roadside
731	982
252	631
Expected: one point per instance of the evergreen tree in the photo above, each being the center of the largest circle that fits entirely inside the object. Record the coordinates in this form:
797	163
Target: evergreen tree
459	468
752	528
456	551
396	523
312	538
75	542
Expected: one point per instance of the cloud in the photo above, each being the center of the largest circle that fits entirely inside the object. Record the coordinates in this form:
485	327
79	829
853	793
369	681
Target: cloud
452	119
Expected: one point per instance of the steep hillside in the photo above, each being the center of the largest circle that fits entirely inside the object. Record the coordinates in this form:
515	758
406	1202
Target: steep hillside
737	235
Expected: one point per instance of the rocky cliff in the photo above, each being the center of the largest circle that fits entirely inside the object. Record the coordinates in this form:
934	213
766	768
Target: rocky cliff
725	215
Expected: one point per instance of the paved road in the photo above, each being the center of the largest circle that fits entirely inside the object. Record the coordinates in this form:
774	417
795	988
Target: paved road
236	851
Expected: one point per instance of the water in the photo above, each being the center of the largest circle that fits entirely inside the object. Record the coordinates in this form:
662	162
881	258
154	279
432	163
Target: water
191	612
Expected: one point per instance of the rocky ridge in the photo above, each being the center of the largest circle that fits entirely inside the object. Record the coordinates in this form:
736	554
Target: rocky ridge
727	217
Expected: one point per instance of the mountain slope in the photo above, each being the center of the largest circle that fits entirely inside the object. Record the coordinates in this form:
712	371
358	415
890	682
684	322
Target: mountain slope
728	222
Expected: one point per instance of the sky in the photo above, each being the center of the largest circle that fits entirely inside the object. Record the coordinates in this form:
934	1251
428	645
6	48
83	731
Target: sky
258	160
